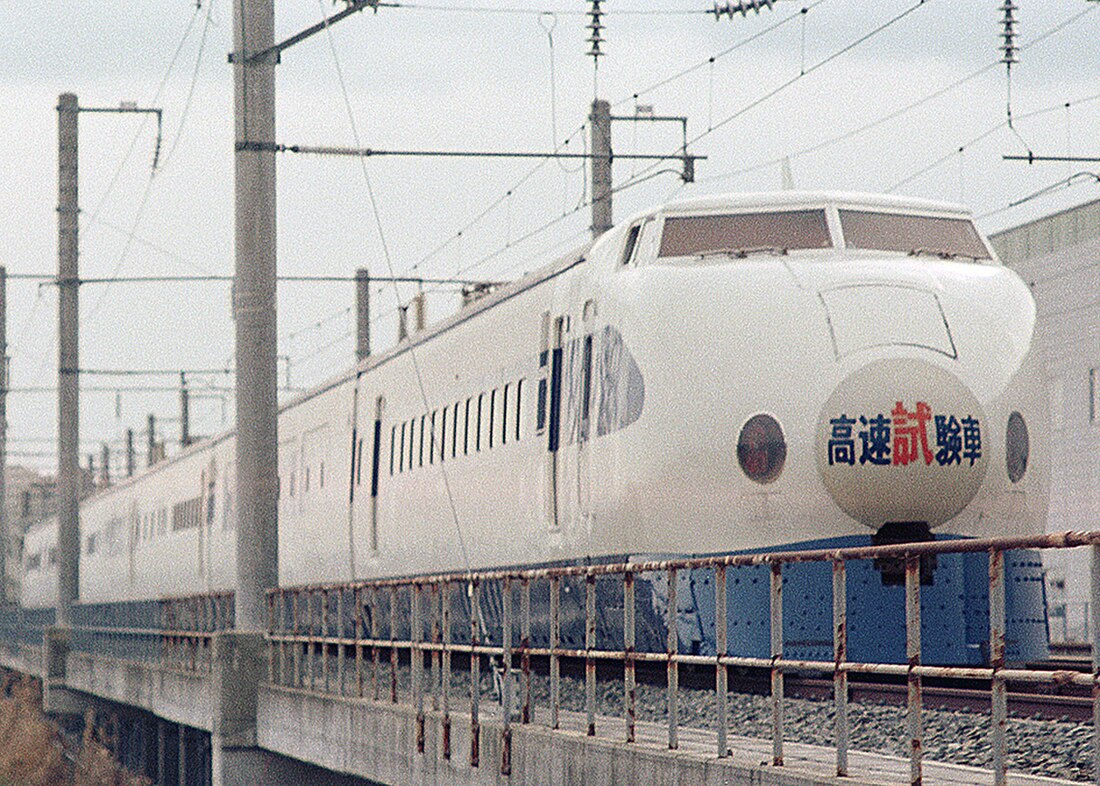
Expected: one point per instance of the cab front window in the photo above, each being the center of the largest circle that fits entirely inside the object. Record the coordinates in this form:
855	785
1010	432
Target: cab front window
741	233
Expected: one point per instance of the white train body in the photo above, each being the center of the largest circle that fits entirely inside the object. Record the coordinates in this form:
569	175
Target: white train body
891	362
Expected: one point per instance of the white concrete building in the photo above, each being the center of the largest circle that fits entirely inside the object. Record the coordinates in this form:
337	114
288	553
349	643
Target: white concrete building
1059	256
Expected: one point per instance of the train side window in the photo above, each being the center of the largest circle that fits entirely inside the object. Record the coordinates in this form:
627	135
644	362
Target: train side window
359	462
431	440
630	245
492	414
466	431
504	416
519	408
480	406
454	431
393	442
423	420
401	453
292	479
1094	395
412	442
586	386
442	434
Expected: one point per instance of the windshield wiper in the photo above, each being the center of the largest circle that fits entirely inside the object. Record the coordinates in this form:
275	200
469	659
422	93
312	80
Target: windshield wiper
742	253
935	252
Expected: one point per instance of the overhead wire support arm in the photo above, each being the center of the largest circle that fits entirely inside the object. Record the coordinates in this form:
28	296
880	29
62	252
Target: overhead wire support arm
130	108
367	152
354	7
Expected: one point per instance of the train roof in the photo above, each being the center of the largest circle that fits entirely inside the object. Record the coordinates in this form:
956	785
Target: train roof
764	200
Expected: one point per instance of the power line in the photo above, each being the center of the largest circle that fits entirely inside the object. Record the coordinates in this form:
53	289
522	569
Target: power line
52	279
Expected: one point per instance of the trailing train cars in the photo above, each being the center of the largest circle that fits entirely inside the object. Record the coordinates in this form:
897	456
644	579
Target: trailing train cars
722	375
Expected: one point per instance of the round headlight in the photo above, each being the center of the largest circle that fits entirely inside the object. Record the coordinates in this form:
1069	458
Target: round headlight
1017	447
761	448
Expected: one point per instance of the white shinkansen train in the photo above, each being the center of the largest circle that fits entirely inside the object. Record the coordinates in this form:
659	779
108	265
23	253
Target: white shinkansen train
720	375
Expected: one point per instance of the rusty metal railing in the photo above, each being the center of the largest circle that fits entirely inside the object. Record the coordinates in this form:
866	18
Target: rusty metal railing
188	627
323	637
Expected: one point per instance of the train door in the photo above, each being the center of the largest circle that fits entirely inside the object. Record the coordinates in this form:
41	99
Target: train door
355	472
550	406
569	393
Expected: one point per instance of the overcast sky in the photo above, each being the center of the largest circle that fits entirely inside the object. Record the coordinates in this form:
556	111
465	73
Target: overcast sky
889	114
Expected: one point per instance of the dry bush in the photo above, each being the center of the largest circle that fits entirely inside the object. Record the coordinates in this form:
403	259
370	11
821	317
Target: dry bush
32	751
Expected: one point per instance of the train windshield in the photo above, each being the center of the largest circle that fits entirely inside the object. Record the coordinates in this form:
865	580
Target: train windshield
944	237
741	233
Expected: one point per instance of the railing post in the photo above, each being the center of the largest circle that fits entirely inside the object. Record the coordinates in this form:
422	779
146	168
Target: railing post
721	676
555	644
475	676
375	652
357	595
313	616
295	623
1094	636
840	656
777	655
323	642
271	631
506	688
445	614
416	660
433	617
393	644
340	638
589	646
525	642
630	689
998	688
673	679
912	651
281	612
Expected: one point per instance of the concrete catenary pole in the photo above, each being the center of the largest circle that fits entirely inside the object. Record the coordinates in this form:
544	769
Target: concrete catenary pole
185	412
254	311
362	314
129	452
151	442
5	535
68	361
600	120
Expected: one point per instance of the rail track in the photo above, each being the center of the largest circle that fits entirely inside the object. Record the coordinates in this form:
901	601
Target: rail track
1064	702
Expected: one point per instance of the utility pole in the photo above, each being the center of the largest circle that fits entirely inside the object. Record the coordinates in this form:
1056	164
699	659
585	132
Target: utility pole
185	412
68	346
105	465
68	361
362	314
601	167
254	309
151	443
129	452
5	536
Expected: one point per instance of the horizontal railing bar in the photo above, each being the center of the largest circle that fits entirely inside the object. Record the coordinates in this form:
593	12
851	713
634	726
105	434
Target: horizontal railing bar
151	632
825	667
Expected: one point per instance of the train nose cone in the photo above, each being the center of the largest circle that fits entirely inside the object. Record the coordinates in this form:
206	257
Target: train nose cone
901	440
